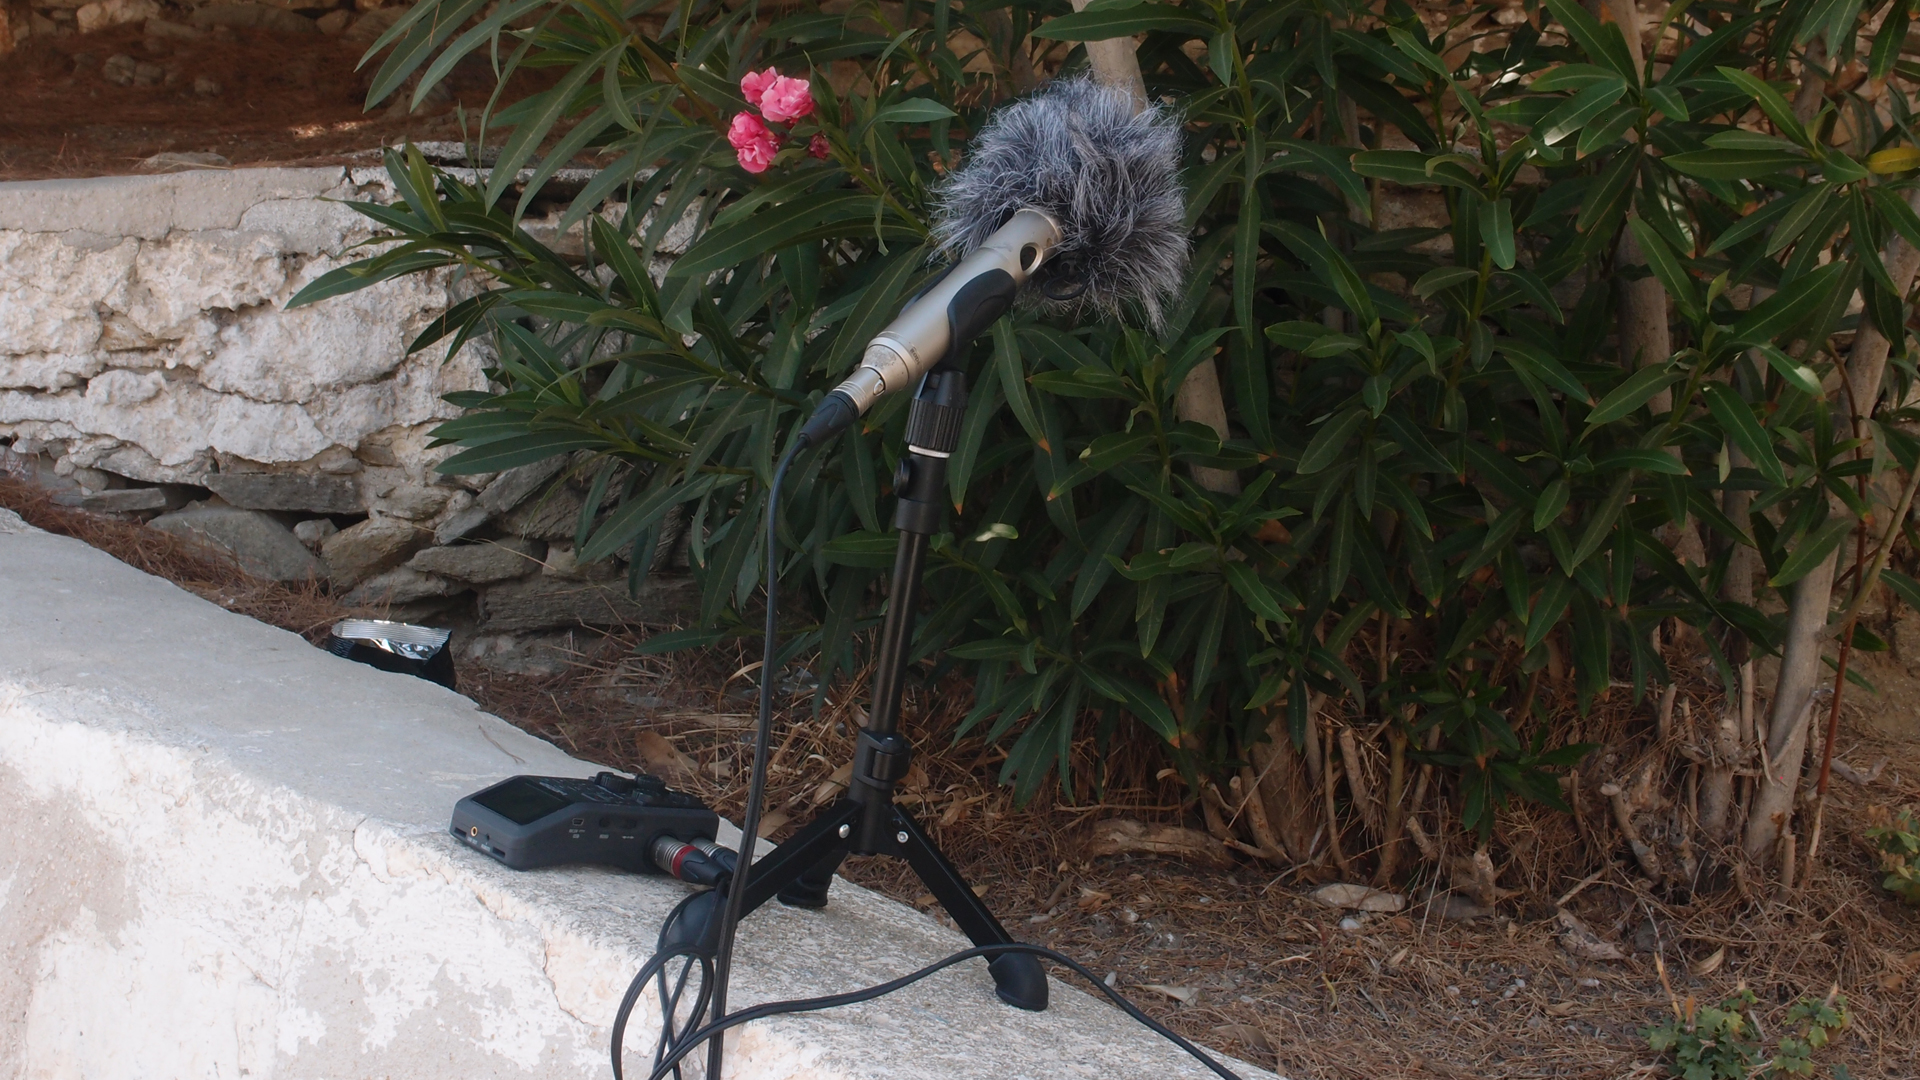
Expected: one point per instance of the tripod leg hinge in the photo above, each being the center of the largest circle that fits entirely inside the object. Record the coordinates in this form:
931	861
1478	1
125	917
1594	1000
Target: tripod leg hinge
880	761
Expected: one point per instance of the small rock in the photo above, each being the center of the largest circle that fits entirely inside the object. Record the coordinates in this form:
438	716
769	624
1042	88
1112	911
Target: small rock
360	551
400	585
415	502
1358	898
119	69
122	501
104	14
254	16
191	161
161	28
91	479
1185	995
481	564
336	459
460	523
311	533
84	62
507	491
308	492
262	546
333	22
1351	924
1581	941
1118	836
206	86
148	74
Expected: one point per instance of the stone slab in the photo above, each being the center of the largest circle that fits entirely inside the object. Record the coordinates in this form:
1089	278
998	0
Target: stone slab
118	501
149	207
317	493
233	861
263	546
544	601
480	564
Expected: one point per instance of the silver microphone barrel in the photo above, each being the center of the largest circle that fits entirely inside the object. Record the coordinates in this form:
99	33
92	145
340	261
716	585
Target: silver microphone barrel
959	306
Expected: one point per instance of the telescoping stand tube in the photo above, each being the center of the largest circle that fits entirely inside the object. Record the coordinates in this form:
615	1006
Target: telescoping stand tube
866	820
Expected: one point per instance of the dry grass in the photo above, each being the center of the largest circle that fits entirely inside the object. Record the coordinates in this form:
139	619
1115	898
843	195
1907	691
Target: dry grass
1278	982
1273	977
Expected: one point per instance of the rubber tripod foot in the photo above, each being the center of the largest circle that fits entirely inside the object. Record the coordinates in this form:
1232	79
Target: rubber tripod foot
1020	981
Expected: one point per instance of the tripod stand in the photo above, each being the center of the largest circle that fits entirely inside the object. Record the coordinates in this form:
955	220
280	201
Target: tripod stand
866	821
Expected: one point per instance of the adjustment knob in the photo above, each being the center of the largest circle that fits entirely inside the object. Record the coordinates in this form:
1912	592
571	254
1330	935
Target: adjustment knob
616	783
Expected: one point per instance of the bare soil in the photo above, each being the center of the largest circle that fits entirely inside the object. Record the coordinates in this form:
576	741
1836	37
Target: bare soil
1241	959
263	98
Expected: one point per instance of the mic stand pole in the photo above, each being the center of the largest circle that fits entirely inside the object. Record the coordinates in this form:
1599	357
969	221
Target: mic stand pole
866	820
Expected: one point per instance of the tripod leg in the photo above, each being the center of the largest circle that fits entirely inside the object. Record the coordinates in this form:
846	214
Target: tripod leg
809	890
1017	977
802	868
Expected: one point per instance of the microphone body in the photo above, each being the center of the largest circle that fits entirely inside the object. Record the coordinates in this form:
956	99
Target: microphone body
945	318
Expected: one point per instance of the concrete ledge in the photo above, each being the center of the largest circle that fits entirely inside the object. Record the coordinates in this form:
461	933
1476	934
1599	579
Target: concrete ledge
228	857
149	207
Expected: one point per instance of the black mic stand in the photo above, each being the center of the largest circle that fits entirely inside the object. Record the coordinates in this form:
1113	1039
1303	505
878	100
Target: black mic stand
866	820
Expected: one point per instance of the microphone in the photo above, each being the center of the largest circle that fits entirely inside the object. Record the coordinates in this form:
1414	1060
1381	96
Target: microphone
1069	198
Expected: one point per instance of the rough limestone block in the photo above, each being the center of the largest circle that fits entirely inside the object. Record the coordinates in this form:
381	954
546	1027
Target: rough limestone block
552	515
120	501
401	585
52	288
104	14
317	493
233	861
362	550
263	546
311	225
480	564
173	420
544	602
178	279
150	207
505	492
415	502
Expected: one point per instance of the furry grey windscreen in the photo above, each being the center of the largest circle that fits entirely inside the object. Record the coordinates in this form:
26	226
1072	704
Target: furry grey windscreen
1108	175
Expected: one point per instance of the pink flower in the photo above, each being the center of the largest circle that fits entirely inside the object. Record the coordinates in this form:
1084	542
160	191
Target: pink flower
817	146
786	100
754	84
753	141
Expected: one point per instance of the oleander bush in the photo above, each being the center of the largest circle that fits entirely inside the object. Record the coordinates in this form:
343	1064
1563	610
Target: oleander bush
1550	356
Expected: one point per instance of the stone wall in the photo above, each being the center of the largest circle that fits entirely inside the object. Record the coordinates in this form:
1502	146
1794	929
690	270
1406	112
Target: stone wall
148	367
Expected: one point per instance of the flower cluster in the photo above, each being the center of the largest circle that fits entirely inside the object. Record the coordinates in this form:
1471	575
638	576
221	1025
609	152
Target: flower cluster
779	99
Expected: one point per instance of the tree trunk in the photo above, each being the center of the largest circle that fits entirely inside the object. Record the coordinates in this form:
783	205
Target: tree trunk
1800	668
1284	785
1785	740
1731	729
1115	63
